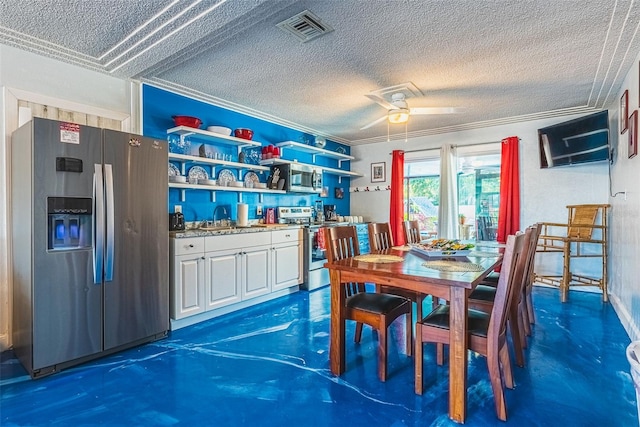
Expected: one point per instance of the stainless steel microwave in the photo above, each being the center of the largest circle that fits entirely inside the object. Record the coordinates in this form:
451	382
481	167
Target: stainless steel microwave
298	178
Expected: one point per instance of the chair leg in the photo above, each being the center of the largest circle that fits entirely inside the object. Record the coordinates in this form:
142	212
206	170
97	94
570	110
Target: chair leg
496	385
514	327
417	355
525	326
358	335
419	300
532	317
505	362
382	353
439	354
408	333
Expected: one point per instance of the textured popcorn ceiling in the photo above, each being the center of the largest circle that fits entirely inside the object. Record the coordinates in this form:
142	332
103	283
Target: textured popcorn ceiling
502	61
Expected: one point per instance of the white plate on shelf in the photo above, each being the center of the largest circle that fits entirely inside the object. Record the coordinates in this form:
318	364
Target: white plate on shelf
251	179
173	170
225	177
197	172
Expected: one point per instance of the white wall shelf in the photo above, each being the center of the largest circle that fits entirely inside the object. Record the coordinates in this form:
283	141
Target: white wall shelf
213	188
212	137
184	158
315	151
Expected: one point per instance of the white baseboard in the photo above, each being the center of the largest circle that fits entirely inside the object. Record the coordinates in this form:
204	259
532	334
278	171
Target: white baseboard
625	318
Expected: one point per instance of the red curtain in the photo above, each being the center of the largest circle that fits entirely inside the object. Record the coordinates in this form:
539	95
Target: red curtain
509	211
396	215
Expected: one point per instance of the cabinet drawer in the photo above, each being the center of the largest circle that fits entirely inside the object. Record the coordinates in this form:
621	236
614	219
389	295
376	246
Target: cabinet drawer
188	245
286	236
236	241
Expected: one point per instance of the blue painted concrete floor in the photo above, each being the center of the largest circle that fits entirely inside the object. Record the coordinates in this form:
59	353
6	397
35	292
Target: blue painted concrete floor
268	366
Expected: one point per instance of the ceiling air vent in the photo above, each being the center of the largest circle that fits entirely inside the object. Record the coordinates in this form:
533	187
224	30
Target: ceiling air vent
305	26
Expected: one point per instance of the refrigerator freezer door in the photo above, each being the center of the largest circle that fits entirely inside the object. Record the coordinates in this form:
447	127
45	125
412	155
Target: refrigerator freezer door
67	305
137	298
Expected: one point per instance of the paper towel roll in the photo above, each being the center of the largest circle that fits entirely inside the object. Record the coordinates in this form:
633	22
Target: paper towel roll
243	215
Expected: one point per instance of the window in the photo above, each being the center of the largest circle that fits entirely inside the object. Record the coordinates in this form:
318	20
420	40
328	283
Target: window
422	194
478	195
478	192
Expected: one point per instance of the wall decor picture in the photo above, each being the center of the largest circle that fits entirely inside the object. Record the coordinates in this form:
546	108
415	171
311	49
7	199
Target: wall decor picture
339	193
633	134
378	172
624	112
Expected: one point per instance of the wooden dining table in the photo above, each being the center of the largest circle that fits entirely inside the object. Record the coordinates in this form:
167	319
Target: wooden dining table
411	274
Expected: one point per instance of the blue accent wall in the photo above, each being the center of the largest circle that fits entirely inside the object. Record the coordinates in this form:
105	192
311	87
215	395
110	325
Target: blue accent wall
158	107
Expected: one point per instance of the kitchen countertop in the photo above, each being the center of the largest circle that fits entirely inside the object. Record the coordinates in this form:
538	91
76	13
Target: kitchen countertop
238	230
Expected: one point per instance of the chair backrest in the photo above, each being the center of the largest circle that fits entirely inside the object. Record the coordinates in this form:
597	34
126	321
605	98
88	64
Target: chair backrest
510	275
585	216
411	231
380	236
342	242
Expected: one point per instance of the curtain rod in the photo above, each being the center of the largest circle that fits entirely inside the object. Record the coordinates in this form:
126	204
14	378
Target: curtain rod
456	146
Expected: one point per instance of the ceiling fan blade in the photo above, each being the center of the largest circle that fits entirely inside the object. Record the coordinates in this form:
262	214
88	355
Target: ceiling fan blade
436	110
381	101
383	118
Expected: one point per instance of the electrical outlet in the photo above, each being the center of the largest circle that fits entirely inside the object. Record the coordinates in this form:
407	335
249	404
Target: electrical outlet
177	209
258	210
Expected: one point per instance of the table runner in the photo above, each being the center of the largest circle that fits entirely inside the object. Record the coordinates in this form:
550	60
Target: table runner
452	266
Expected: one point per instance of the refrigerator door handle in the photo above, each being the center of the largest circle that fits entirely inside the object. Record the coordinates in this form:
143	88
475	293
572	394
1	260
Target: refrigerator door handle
108	267
98	232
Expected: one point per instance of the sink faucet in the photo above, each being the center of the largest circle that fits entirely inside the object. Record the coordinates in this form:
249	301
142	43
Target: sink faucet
215	211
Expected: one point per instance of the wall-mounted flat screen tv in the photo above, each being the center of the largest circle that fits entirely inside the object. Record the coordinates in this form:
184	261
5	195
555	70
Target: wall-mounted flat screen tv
582	140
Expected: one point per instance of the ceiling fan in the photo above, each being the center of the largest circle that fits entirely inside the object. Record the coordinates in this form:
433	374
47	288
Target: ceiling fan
399	111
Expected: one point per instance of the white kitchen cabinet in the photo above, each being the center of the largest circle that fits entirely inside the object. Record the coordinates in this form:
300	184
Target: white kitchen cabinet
223	271
256	271
219	274
187	287
287	258
239	267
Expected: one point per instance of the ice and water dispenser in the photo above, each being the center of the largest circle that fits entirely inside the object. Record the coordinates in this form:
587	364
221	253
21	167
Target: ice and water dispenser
69	223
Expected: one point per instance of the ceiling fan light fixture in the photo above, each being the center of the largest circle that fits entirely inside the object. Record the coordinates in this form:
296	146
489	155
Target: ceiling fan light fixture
399	115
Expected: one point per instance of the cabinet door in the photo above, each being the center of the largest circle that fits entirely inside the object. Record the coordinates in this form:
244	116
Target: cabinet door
223	276
256	277
287	269
188	286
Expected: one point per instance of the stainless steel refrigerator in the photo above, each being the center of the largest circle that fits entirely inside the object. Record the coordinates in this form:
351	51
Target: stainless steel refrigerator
89	243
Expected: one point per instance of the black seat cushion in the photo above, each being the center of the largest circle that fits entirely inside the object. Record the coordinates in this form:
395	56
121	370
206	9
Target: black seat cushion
478	321
483	293
491	279
375	302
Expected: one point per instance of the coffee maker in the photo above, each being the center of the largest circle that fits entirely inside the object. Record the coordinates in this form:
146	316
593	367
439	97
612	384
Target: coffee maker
330	213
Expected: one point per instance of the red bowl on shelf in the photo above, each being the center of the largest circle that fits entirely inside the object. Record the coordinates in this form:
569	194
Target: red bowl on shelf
192	122
243	133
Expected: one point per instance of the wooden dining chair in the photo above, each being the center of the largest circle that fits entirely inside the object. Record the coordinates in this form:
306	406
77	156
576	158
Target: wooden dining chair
483	298
380	239
411	231
487	331
377	310
528	300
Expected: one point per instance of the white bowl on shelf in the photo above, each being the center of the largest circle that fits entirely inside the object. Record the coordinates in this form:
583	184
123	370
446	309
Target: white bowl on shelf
178	179
237	184
220	129
207	181
260	185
